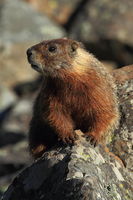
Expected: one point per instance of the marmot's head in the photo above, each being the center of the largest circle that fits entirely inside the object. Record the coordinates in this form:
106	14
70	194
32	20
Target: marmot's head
51	56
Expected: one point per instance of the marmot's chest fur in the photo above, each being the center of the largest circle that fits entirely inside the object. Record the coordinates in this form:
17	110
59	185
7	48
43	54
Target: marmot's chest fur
77	92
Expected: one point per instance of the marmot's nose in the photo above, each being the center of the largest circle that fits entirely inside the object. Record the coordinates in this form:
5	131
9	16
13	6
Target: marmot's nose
29	52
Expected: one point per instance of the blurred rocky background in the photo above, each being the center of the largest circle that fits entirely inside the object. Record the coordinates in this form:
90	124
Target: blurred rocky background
105	27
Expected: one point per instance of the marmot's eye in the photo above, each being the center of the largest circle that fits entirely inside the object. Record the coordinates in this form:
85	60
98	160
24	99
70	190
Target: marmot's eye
52	49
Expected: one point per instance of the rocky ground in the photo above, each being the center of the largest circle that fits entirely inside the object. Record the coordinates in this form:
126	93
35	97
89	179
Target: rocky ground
105	27
81	171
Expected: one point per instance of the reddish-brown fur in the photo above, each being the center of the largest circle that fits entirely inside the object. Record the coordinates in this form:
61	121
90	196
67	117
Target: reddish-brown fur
77	93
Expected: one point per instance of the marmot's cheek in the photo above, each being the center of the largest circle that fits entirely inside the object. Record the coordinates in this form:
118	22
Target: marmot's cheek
64	65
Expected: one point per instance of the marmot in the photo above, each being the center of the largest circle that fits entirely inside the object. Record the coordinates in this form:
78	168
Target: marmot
77	93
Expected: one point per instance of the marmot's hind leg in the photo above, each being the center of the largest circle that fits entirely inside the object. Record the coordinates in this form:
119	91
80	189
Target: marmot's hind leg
41	138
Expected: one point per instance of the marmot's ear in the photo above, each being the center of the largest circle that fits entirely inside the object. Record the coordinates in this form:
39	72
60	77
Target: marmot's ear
74	46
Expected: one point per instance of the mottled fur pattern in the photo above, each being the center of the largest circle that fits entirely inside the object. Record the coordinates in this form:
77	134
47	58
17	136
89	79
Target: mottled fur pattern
77	93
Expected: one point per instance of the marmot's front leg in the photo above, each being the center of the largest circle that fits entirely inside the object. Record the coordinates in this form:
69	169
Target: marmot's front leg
44	135
62	123
63	127
104	123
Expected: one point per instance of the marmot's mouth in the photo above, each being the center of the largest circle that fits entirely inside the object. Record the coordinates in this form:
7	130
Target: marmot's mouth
36	67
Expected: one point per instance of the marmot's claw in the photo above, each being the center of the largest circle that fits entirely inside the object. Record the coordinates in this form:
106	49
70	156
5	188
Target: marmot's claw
70	138
93	141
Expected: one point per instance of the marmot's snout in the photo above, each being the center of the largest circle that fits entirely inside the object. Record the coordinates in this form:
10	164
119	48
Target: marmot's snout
31	59
29	52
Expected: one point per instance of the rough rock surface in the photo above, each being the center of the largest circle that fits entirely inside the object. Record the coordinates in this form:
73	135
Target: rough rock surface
122	144
81	171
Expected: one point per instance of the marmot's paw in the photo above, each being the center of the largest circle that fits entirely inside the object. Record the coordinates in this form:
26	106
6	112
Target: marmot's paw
69	138
92	139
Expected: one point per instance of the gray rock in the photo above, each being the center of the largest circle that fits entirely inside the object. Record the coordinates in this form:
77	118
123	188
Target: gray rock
18	119
59	10
104	19
13	158
7	98
20	22
15	154
122	142
81	172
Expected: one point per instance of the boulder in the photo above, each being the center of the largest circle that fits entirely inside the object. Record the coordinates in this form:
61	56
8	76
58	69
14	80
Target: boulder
19	22
21	26
59	10
106	28
104	19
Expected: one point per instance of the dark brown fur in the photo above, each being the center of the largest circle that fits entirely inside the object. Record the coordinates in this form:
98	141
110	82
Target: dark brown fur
77	93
